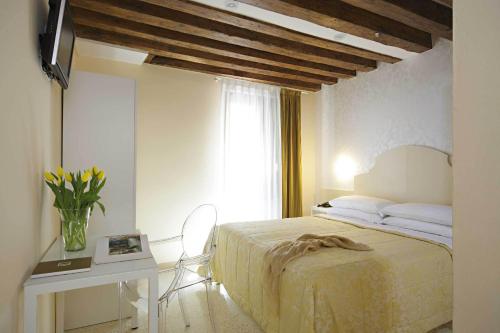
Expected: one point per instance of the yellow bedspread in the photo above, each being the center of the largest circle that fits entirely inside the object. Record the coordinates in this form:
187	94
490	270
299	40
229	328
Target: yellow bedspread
404	285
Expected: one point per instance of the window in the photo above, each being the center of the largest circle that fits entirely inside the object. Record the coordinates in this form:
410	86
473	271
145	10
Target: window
252	152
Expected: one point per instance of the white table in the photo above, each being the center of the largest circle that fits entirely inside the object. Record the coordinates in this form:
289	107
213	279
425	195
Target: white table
98	275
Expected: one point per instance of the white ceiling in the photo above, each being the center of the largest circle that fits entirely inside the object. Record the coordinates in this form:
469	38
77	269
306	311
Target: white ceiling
306	27
88	48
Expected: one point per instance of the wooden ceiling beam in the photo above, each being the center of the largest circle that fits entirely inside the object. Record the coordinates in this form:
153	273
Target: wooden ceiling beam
186	54
356	21
249	23
202	27
123	26
447	3
219	71
425	15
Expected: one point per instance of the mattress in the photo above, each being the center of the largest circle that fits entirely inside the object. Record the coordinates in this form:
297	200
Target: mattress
404	285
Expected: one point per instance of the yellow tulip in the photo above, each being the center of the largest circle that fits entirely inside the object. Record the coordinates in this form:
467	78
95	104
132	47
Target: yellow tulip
68	177
48	176
100	175
86	176
95	170
60	171
59	180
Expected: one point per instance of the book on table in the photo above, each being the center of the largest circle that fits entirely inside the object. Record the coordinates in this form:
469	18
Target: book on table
122	248
60	267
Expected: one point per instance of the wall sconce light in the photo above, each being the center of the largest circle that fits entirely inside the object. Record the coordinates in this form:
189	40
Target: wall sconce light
345	169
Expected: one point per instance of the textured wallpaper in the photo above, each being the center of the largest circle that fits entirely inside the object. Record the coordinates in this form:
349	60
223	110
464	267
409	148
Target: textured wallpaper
406	103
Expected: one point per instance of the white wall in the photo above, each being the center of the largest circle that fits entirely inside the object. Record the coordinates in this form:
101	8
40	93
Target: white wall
178	140
177	137
30	118
476	142
400	104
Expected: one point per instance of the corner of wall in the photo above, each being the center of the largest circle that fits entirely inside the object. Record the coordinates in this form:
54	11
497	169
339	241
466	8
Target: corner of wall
30	143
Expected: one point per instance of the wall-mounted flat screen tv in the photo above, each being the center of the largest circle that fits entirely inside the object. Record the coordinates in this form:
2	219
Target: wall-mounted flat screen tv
58	41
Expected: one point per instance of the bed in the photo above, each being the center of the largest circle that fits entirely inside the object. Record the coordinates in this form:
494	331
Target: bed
404	285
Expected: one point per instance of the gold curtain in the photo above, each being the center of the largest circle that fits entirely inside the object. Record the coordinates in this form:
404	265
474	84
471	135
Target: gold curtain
291	154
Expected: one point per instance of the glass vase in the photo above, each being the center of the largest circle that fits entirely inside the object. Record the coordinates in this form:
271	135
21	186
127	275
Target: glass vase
74	228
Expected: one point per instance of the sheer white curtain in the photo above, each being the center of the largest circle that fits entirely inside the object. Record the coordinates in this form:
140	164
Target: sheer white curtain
252	151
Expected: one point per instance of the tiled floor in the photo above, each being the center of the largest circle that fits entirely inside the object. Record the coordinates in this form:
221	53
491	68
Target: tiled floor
227	316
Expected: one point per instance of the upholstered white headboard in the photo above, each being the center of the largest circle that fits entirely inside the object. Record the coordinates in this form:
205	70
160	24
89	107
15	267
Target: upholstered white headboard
409	174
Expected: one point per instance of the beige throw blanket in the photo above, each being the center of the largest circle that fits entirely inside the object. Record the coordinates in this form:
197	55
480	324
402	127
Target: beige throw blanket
276	258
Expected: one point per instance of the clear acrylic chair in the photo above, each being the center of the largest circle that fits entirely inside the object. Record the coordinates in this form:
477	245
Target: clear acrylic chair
193	266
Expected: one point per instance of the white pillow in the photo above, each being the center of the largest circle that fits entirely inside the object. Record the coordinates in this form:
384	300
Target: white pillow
431	228
360	202
346	212
439	214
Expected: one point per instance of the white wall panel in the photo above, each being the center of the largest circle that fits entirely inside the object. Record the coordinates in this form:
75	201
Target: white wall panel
99	129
